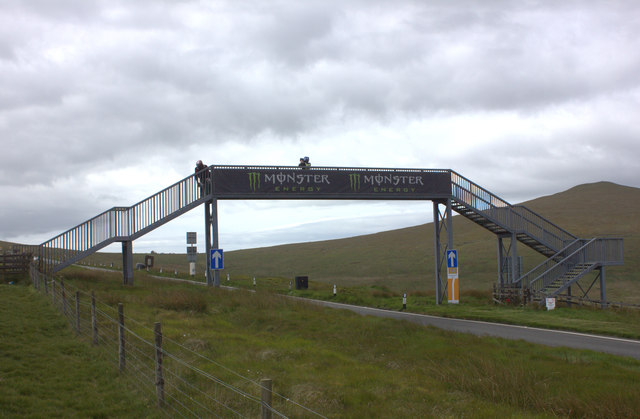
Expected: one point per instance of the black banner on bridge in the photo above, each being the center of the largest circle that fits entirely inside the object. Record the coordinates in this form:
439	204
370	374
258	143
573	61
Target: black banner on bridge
295	183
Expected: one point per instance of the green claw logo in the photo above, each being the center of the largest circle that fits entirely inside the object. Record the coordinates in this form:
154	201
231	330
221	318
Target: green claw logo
354	180
254	181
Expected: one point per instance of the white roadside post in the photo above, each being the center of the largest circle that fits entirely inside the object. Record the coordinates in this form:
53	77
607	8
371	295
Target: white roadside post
192	251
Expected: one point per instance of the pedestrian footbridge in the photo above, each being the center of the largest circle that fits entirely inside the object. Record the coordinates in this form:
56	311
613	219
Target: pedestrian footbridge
567	257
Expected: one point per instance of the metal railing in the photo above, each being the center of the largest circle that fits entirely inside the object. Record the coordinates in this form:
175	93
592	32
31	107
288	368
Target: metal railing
515	219
548	265
119	224
583	255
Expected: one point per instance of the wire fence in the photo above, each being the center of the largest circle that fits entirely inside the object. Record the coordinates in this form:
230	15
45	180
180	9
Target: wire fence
183	382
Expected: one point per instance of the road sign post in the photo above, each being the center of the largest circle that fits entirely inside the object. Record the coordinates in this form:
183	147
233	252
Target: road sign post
452	275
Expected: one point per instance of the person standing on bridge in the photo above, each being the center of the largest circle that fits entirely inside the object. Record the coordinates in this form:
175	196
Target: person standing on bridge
304	162
202	177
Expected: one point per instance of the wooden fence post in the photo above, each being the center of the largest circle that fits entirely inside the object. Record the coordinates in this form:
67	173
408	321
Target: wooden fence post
46	285
157	329
94	320
265	410
64	298
121	339
53	293
78	312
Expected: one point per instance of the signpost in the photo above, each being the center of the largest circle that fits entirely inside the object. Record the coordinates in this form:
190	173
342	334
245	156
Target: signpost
452	275
217	259
551	303
192	251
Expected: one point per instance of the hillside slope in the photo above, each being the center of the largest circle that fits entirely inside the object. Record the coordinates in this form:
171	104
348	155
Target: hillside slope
404	259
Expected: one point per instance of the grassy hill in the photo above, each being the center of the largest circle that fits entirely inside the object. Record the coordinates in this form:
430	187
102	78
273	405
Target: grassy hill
404	259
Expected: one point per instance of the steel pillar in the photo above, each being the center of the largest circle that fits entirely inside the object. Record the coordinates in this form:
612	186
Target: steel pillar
211	239
216	243
441	221
515	266
508	262
501	256
127	262
207	241
603	292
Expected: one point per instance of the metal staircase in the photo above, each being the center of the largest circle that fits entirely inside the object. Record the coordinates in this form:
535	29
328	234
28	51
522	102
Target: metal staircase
568	258
119	224
563	282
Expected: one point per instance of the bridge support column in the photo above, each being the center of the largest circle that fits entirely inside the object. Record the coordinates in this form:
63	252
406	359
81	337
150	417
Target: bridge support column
508	261
515	266
501	258
603	291
441	221
207	241
211	234
127	262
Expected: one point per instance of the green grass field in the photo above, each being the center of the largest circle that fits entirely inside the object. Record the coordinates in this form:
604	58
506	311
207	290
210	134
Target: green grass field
334	362
46	372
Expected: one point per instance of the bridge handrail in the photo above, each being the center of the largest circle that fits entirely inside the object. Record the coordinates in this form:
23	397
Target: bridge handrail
597	251
514	218
121	223
328	168
548	230
547	264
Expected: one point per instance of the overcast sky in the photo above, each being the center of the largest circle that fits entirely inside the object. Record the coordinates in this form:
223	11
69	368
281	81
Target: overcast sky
103	103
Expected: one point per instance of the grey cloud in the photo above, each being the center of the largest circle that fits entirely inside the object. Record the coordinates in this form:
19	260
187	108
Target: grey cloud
89	84
525	166
433	59
291	31
42	210
62	10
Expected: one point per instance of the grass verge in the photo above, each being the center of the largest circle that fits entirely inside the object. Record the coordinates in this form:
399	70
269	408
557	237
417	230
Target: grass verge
344	365
474	305
46	372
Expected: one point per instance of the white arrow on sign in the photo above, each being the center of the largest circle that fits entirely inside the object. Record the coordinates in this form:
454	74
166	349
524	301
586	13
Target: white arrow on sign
452	259
216	257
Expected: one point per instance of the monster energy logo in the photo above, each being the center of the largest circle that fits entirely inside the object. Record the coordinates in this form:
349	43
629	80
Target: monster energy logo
254	180
354	180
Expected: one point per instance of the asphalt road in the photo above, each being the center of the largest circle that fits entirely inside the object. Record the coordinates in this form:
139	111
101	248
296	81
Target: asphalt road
606	344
